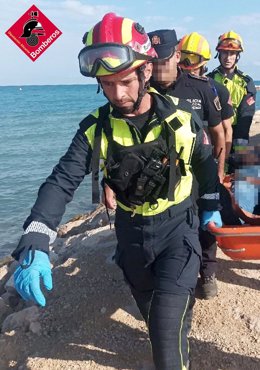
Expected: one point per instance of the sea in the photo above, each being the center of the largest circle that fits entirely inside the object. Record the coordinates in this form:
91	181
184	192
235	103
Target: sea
37	124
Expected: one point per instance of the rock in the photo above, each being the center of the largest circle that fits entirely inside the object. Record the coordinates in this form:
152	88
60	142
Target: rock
5	310
9	285
12	267
93	220
2	364
35	328
6	272
21	319
254	323
3	271
103	310
5	260
12	299
53	257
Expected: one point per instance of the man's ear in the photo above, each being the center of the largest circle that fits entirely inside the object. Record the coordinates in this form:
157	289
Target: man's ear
177	55
148	71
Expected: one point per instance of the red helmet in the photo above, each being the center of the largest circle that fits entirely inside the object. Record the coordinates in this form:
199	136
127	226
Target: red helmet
113	45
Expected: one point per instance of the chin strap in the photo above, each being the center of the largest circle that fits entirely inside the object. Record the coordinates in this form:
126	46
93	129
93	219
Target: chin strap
203	70
99	88
143	86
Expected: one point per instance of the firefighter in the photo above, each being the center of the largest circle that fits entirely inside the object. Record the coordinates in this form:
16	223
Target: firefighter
151	145
195	54
239	84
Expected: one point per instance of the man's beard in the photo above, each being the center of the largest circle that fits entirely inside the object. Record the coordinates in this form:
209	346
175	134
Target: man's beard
123	110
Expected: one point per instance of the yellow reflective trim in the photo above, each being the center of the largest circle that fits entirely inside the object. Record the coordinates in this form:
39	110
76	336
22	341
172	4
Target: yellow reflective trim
174	100
103	72
89	40
126	30
95	113
153	134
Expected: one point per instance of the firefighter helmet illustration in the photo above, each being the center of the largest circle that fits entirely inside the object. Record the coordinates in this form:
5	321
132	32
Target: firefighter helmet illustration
32	29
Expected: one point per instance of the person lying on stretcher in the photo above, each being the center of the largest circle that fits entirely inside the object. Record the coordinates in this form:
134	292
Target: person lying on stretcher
244	184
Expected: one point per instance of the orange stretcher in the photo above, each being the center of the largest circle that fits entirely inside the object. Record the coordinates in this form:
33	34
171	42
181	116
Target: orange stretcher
239	242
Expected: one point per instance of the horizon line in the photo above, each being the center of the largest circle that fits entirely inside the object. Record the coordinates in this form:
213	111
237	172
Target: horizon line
62	84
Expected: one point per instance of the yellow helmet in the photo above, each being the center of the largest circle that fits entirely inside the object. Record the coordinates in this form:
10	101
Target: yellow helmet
230	41
195	51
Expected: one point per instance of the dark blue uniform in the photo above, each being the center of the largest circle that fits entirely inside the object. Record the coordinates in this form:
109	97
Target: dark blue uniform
200	93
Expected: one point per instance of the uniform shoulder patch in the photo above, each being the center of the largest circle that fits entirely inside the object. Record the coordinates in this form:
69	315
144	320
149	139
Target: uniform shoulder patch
217	103
250	100
195	77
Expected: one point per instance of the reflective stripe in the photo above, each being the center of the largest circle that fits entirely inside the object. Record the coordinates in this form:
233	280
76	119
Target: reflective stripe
210	196
39	227
126	32
180	334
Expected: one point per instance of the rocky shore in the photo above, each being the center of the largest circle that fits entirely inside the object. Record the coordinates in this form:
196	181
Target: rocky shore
91	321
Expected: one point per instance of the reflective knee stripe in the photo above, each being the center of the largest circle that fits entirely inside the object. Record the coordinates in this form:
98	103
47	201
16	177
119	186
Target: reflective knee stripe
180	334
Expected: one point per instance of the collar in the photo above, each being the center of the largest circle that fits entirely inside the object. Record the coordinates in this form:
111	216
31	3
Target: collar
228	75
163	105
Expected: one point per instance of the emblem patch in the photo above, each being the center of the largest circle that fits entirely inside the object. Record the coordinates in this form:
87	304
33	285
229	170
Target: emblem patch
217	103
156	40
250	100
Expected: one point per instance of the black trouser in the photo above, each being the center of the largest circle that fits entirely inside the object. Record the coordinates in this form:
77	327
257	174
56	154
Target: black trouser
160	258
208	241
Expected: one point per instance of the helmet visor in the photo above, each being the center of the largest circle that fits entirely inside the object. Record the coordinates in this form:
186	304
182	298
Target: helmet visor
230	44
189	60
113	57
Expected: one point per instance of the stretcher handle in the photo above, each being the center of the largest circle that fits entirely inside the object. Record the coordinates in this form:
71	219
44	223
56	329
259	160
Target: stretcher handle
213	229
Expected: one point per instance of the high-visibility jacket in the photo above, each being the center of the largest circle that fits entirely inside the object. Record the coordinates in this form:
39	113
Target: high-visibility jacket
243	95
184	138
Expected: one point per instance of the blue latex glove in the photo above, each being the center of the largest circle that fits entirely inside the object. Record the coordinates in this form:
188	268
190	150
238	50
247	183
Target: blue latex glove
210	216
27	280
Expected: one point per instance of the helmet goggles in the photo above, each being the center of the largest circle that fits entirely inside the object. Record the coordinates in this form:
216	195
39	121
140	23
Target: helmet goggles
230	44
112	57
190	60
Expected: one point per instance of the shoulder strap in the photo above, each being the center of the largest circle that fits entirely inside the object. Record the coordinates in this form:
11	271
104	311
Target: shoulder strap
245	77
213	73
103	114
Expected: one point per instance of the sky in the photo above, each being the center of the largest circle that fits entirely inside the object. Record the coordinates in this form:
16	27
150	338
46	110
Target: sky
59	64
